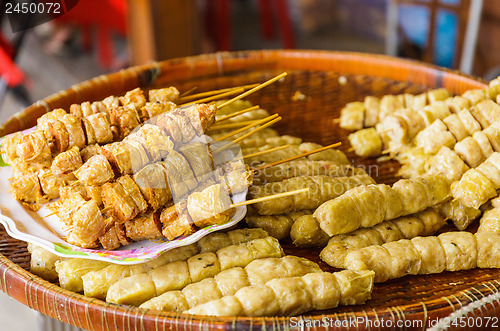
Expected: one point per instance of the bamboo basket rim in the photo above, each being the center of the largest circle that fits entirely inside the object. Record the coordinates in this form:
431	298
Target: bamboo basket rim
24	286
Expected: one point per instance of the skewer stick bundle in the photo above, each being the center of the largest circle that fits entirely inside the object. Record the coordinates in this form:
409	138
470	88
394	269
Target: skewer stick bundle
215	97
299	156
243	111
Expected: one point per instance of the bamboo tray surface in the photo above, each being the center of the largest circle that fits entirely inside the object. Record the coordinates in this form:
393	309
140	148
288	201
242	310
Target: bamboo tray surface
316	75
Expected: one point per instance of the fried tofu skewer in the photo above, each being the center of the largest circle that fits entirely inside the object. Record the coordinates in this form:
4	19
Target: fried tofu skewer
358	115
450	251
366	206
225	283
278	297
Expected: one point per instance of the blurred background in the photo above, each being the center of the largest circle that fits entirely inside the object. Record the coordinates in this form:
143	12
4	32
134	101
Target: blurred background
94	37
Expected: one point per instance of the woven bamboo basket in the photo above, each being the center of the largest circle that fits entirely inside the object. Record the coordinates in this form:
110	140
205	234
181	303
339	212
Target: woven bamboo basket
316	75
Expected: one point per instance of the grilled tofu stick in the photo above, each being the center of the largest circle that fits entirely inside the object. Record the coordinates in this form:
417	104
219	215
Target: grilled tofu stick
358	115
192	269
450	251
321	189
366	206
469	112
225	283
71	271
293	296
425	223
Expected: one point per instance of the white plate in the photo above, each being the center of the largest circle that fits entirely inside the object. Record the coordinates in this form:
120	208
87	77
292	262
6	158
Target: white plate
47	232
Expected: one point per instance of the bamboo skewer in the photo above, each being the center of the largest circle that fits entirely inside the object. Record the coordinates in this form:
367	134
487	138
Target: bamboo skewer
241	96
214	97
269	197
298	156
232	125
266	151
243	111
234	142
214	92
247	127
188	92
246	135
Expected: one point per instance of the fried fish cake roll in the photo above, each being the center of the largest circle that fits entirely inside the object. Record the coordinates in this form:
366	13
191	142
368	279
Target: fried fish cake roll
153	109
493	134
292	296
488	110
366	206
145	226
229	281
490	221
175	277
352	116
434	136
66	162
475	95
372	105
96	283
488	249
451	251
414	193
366	142
34	147
133	191
473	189
153	184
118	156
156	143
470	151
210	206
59	136
87	225
133	97
199	158
27	189
461	215
306	232
456	127
457	103
121	205
43	263
125	118
389	104
407	227
90	150
178	161
101	128
70	272
9	147
321	189
278	226
166	94
448	163
176	221
96	171
115	235
50	184
460	249
55	114
306	168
